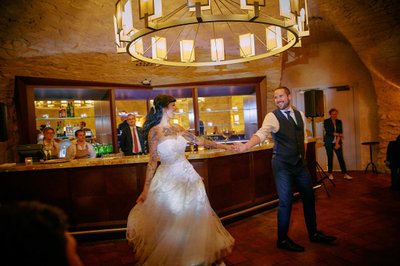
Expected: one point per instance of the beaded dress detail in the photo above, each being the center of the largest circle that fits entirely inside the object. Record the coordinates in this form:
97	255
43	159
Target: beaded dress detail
176	225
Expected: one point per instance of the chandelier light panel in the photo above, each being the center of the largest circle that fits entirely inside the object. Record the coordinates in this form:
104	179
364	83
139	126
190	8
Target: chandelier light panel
208	32
205	4
246	42
249	4
274	37
159	51
187	51
217	49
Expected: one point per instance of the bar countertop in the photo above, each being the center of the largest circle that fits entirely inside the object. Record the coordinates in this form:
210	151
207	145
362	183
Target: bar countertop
115	160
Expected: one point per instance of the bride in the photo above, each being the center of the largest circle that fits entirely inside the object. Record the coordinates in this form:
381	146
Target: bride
173	223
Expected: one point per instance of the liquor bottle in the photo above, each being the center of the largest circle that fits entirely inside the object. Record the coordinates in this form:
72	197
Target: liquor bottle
72	111
58	129
69	110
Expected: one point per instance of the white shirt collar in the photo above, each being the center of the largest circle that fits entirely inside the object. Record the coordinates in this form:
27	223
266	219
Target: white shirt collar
289	109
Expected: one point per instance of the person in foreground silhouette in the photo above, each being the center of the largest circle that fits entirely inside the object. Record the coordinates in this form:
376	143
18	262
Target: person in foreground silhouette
287	126
35	234
173	222
393	162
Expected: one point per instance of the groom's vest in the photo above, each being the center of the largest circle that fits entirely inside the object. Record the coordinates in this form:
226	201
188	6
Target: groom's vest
289	140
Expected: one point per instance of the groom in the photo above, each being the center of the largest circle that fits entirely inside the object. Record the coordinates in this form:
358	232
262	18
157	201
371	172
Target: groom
287	126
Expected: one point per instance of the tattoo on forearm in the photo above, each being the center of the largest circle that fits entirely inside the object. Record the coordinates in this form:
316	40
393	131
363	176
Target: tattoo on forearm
199	140
210	144
190	137
151	168
152	165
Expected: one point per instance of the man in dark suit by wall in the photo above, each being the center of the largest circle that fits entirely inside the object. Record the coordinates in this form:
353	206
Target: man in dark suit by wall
393	162
131	139
333	142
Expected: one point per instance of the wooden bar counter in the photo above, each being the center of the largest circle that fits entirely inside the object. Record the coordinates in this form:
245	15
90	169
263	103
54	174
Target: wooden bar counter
99	193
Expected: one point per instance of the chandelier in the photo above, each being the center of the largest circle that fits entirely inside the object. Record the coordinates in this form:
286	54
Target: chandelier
208	32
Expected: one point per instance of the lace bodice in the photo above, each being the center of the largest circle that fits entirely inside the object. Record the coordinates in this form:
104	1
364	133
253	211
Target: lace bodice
172	150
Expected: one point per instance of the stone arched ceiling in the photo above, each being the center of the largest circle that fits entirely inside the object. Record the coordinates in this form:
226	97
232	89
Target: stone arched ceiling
77	37
372	27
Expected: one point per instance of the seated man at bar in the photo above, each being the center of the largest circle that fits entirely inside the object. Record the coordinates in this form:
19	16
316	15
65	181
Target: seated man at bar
88	131
81	149
50	146
131	140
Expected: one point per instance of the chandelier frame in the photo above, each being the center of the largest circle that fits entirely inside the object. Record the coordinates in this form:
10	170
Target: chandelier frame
293	37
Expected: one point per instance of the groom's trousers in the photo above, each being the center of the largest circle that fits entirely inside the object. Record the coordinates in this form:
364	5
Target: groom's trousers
287	177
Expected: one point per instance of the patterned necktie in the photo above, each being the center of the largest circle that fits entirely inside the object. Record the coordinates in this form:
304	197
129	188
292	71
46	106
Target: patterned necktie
290	118
135	141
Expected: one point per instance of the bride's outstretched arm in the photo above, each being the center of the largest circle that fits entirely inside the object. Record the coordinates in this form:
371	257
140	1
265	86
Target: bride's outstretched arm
152	164
204	142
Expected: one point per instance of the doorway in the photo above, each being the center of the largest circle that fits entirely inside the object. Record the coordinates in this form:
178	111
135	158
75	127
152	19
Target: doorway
342	100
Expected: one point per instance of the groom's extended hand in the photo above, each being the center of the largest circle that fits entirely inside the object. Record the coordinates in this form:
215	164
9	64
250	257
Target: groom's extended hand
239	147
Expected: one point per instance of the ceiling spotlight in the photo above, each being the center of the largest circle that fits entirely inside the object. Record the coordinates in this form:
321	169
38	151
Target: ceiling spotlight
146	82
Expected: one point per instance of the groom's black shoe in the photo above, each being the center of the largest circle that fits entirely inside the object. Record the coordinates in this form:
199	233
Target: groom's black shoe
320	237
288	244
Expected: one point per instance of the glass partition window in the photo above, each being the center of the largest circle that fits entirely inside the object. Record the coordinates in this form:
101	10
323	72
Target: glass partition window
184	115
229	117
65	116
69	109
136	107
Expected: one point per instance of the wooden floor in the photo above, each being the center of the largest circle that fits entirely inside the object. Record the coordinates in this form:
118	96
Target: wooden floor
363	213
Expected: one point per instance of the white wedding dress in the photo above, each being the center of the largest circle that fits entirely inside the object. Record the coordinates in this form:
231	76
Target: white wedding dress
176	225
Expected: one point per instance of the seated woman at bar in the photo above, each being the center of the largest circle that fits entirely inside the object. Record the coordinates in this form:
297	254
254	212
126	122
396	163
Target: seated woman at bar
81	149
50	146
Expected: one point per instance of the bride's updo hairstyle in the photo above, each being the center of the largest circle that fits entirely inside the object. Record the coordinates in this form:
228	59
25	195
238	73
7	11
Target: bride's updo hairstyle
154	116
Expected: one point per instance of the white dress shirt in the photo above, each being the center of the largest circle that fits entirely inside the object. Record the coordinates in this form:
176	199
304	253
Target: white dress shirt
134	131
271	124
71	150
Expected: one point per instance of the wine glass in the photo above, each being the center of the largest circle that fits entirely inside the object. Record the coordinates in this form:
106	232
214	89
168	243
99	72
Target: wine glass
226	134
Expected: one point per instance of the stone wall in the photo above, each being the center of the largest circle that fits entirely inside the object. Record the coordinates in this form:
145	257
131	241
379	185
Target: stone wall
67	39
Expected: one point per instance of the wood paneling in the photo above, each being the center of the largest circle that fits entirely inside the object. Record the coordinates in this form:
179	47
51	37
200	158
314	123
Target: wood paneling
102	196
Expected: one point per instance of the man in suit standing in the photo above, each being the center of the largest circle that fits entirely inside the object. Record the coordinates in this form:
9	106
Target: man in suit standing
287	126
393	162
123	115
131	140
333	142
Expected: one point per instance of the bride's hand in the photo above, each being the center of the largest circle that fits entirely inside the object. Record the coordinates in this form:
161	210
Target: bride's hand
142	197
227	147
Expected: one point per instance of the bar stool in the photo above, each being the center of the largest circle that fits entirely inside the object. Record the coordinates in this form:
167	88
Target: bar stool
373	167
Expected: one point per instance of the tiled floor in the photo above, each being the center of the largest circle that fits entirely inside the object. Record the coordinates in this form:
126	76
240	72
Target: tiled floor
363	213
